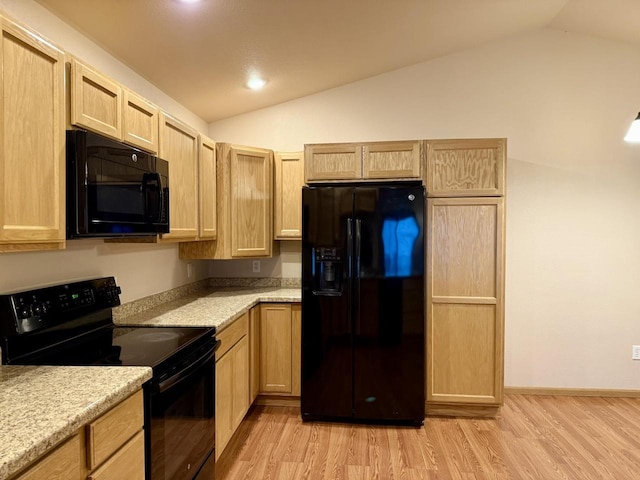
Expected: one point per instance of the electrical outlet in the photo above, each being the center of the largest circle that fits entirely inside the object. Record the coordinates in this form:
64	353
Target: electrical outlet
256	266
189	270
635	354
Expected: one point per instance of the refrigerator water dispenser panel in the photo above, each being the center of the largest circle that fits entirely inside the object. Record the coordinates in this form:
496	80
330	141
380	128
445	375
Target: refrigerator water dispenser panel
327	271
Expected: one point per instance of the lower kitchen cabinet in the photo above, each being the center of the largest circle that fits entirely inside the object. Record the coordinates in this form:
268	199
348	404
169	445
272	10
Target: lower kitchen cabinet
465	290
254	353
280	348
232	380
112	446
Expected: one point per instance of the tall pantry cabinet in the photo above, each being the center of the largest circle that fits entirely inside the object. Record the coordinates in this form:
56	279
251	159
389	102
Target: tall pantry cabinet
32	149
465	275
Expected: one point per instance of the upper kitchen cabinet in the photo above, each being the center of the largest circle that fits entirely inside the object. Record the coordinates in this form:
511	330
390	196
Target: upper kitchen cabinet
289	170
96	101
244	206
466	168
102	105
208	227
140	120
32	158
179	146
373	161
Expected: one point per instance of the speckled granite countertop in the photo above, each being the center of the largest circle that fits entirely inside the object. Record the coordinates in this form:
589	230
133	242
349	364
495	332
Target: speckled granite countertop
210	307
41	406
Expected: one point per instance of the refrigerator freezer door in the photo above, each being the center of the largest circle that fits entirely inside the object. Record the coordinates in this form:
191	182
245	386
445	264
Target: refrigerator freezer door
326	302
389	372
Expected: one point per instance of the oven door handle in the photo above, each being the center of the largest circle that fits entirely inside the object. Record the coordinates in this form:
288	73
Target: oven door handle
186	372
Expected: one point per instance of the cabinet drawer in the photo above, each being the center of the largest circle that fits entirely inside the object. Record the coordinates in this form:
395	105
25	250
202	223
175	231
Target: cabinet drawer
66	462
232	334
128	462
109	432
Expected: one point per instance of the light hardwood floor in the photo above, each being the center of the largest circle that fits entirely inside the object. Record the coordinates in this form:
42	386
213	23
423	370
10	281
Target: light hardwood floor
538	437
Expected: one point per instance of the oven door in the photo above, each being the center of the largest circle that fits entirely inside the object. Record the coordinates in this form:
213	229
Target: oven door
181	423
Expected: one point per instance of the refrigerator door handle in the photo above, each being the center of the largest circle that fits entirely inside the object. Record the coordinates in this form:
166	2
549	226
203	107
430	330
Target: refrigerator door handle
358	242
350	246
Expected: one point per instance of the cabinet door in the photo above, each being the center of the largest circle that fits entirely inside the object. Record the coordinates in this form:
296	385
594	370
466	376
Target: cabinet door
465	288
296	344
128	462
288	195
224	402
254	353
240	380
66	462
275	348
391	160
32	155
340	161
179	146
208	227
140	122
466	168
96	101
251	207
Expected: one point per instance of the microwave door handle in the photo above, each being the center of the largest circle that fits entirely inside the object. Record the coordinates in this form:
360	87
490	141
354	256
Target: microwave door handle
155	180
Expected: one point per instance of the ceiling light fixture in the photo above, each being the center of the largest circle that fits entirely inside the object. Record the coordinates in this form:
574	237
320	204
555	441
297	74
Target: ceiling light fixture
256	83
189	1
633	135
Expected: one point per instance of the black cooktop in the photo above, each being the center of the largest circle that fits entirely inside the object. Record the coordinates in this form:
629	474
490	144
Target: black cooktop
72	324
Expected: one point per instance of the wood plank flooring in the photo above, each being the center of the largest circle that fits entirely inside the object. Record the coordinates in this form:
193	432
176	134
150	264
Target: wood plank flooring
535	437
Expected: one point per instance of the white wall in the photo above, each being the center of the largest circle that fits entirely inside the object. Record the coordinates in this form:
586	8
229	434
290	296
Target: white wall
140	269
564	102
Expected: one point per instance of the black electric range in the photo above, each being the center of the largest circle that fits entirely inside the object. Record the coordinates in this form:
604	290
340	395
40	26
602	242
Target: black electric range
72	324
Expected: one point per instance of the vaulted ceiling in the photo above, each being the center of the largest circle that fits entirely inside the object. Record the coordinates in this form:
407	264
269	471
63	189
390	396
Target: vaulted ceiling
202	54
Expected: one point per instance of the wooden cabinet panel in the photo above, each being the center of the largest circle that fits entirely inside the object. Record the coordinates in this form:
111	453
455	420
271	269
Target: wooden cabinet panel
224	402
127	463
289	168
232	334
275	348
96	101
140	123
232	380
340	161
296	346
32	156
387	160
254	353
465	306
65	462
468	167
251	188
179	147
207	174
114	428
240	380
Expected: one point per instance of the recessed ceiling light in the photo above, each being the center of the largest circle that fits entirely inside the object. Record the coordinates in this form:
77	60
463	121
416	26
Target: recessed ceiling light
256	83
189	1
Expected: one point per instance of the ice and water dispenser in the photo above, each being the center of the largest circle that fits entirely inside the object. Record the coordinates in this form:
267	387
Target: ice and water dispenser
327	271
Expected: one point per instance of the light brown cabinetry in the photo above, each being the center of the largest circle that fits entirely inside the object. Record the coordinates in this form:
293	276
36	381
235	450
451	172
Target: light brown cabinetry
232	380
465	277
289	180
32	161
254	353
102	105
208	227
111	446
179	146
244	205
468	167
367	161
140	121
96	101
280	348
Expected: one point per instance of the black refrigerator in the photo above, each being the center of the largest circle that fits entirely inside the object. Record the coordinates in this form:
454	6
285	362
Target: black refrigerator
363	307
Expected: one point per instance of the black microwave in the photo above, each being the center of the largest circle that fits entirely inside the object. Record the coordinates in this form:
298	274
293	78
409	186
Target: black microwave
114	190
